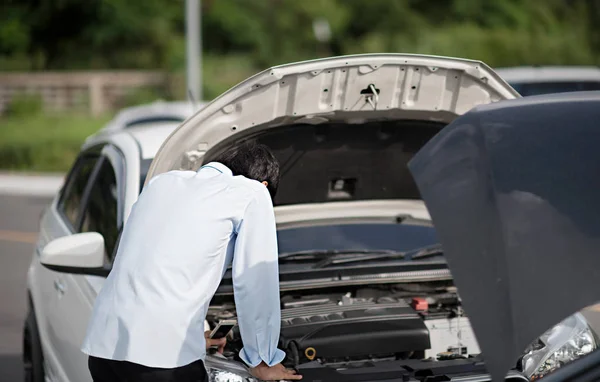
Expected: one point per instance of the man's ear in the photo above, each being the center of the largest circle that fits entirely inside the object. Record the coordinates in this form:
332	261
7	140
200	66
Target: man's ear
265	183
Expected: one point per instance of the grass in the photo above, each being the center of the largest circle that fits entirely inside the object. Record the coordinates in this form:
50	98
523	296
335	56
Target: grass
44	143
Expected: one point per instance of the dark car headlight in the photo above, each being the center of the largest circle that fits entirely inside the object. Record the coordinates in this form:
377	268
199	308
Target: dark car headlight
563	343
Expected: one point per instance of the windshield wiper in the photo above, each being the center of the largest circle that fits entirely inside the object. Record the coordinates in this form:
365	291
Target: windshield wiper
328	253
413	254
335	260
347	256
426	252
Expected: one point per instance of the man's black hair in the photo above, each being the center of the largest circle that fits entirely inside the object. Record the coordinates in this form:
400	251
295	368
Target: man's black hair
254	161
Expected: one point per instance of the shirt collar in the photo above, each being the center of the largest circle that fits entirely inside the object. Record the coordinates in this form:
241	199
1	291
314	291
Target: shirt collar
218	167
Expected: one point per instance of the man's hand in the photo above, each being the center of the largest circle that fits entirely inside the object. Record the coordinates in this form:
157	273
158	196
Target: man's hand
273	373
219	342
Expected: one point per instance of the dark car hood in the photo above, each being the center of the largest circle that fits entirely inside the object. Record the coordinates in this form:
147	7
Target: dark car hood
513	190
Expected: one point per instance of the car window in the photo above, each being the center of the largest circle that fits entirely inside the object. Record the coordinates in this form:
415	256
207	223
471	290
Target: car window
72	196
350	236
529	89
154	121
101	211
144	168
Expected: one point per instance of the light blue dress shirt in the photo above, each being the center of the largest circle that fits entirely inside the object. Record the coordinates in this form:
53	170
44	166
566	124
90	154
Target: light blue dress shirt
183	232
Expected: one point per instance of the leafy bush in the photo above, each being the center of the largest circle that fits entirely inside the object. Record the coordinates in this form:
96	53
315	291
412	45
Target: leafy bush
124	34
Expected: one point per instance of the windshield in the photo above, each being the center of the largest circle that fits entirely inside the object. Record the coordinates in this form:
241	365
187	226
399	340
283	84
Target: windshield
355	236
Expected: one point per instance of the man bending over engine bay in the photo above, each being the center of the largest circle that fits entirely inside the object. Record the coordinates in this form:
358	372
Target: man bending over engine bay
184	231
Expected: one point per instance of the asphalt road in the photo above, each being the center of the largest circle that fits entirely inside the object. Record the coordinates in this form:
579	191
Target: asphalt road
18	225
18	232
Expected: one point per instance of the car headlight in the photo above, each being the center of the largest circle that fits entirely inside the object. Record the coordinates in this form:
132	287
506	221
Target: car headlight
216	375
220	369
564	343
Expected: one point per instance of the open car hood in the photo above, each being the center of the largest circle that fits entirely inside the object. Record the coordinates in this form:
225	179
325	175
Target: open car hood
512	189
351	90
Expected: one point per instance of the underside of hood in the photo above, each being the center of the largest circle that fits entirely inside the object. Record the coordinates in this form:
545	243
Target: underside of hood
343	162
324	117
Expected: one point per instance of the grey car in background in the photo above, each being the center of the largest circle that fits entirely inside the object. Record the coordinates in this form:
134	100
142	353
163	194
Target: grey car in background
158	112
534	80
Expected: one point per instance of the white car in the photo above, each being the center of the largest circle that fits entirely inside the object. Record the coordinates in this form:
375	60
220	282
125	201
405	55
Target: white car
366	292
158	112
533	80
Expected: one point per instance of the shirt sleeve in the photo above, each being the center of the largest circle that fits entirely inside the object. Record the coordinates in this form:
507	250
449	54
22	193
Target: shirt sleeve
255	272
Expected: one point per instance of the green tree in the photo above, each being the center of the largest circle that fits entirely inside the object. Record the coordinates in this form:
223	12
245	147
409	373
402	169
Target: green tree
78	34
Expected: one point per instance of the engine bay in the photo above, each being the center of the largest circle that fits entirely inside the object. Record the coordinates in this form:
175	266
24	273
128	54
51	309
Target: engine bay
352	325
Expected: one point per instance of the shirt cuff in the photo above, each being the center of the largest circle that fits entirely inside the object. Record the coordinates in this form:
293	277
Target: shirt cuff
255	359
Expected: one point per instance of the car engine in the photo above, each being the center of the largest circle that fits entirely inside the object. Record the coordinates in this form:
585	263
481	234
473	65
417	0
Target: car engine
397	322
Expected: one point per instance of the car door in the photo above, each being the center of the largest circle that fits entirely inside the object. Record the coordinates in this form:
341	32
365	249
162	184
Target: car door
101	212
58	220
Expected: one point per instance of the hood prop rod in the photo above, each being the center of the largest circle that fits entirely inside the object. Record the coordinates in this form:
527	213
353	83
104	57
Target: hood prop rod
374	94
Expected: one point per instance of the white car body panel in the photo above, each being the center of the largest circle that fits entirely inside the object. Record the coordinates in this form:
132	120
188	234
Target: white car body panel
150	140
46	297
363	209
81	250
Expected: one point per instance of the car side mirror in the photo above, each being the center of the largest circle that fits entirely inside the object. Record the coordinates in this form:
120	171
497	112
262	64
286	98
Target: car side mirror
81	253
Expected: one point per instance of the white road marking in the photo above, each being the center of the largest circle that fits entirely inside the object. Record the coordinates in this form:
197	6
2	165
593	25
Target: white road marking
19	236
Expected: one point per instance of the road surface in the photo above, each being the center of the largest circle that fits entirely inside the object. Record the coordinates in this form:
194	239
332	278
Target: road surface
18	225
